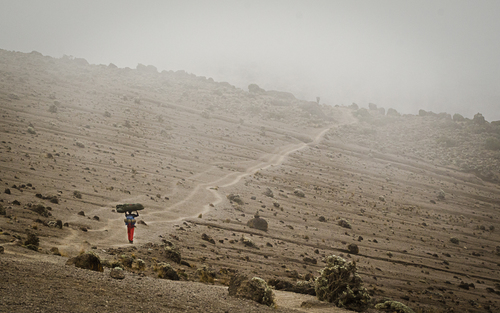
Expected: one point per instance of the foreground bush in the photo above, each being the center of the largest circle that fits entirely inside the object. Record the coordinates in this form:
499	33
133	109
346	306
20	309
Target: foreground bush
340	284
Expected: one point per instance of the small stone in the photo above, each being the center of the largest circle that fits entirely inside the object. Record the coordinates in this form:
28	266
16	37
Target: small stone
299	193
353	248
208	238
454	240
268	193
344	223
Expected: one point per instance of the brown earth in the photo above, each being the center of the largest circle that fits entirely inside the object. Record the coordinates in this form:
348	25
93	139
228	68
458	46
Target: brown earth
78	137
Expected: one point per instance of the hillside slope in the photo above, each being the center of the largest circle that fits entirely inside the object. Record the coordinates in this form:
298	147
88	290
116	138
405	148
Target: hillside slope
419	194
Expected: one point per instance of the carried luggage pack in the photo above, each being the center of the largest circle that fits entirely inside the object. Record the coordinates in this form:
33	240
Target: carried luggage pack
129	207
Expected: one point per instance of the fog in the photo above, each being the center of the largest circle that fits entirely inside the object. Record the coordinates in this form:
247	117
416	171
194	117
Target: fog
441	56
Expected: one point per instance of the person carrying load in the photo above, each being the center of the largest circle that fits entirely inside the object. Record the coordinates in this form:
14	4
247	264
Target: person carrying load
130	217
130	222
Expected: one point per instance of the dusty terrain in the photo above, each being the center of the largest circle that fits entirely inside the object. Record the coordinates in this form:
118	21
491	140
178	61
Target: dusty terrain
421	193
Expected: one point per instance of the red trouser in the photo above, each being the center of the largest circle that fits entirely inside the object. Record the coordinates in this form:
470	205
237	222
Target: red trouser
130	232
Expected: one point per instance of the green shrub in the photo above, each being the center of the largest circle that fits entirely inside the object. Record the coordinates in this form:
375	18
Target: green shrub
340	284
492	144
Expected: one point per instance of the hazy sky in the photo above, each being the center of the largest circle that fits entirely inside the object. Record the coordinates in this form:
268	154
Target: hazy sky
409	55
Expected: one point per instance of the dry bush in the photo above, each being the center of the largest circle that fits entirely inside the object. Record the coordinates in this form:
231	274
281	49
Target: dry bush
340	284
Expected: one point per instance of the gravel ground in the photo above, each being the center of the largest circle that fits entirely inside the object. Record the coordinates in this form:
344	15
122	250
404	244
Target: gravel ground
31	285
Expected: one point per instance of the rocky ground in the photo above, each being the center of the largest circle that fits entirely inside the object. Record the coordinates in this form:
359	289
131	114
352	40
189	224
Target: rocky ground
412	199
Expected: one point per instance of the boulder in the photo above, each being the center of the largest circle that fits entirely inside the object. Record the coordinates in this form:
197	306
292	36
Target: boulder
235	198
258	223
255	289
208	238
353	248
268	193
344	223
88	261
117	273
299	193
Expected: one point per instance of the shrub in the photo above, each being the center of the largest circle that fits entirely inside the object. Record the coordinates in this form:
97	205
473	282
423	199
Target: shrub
255	289
479	119
254	88
392	112
458	118
340	284
393	306
492	144
353	106
446	142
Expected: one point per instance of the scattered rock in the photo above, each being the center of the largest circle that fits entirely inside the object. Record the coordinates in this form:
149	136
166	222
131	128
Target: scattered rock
235	198
344	223
81	213
7	191
2	210
353	248
310	260
268	193
117	273
88	261
455	240
258	223
247	242
466	286
77	194
2	249
322	219
255	289
208	238
299	193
